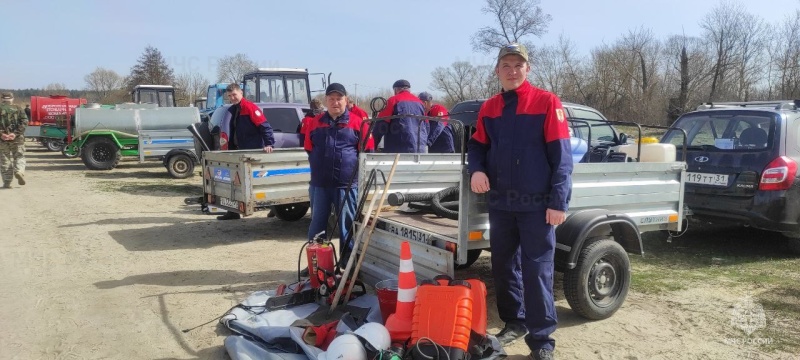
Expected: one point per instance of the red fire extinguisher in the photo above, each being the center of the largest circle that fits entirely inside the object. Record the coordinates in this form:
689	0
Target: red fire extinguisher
320	256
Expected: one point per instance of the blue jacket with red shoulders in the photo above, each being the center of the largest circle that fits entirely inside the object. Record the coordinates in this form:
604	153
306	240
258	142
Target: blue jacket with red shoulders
440	136
245	127
522	143
402	135
332	146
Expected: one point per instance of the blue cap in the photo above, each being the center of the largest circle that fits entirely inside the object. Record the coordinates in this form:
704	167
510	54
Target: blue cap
401	84
424	96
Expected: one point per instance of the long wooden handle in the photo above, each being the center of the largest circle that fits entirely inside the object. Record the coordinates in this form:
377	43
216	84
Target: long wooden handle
372	227
351	260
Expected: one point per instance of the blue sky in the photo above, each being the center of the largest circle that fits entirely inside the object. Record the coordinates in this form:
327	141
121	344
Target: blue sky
369	43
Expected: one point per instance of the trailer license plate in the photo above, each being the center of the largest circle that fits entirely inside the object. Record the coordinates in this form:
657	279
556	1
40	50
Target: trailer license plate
228	202
707	179
410	234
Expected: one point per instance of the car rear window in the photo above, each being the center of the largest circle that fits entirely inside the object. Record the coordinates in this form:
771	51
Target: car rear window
725	130
282	119
466	112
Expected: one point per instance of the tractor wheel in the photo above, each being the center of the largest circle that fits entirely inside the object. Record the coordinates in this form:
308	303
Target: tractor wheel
597	287
472	257
180	166
100	153
291	212
53	144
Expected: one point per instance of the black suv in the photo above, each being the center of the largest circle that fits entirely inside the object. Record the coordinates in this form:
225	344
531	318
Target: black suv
742	164
581	118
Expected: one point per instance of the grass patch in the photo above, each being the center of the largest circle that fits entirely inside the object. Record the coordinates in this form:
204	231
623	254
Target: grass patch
749	260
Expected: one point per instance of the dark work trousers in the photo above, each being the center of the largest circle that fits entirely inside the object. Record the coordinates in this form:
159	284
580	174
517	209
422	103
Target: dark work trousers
323	201
523	247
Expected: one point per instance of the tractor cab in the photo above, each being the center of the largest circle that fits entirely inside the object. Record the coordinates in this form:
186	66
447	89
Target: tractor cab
281	85
200	103
162	95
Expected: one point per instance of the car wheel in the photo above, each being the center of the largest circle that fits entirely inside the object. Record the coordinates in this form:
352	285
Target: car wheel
793	240
598	285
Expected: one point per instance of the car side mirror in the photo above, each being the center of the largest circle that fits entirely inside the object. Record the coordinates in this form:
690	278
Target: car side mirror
623	138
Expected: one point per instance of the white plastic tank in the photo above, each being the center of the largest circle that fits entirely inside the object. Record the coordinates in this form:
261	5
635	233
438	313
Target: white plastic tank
652	151
130	118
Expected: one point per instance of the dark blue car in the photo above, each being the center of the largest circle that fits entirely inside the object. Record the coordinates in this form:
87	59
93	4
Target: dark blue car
742	164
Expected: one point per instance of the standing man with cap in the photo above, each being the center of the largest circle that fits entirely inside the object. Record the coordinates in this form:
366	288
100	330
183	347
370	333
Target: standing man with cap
333	143
405	134
520	156
12	140
243	127
440	136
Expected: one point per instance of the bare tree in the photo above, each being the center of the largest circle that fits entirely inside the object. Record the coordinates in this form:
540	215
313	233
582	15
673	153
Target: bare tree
687	71
723	28
784	57
515	20
462	81
190	86
232	68
104	83
56	89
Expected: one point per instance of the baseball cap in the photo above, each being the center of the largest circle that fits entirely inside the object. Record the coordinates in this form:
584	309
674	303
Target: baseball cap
513	49
401	84
335	87
424	96
7	96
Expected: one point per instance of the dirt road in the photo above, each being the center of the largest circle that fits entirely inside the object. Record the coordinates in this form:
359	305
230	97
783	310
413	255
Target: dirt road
113	265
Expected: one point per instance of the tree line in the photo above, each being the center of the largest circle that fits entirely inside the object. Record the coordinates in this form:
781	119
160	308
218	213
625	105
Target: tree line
737	56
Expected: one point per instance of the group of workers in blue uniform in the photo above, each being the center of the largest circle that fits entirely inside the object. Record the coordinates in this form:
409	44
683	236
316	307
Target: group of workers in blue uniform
520	156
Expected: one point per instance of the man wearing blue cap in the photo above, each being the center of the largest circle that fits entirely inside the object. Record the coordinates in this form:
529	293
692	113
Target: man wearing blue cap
405	134
440	136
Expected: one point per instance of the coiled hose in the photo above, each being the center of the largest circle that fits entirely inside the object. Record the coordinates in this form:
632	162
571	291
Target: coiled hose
438	204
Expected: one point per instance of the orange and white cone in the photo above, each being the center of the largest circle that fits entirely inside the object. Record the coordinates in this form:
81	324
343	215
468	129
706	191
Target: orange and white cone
399	323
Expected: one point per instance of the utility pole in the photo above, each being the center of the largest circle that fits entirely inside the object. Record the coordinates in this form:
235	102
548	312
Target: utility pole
355	94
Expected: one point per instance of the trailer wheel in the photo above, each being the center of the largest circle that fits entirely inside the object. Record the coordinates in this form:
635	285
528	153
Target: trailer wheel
100	153
598	285
180	166
472	257
70	151
53	144
291	212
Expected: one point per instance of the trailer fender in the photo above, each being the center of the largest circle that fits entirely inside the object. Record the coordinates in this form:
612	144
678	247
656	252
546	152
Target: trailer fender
589	224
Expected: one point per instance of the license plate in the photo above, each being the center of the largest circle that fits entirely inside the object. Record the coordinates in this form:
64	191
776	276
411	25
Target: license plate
228	202
410	234
707	179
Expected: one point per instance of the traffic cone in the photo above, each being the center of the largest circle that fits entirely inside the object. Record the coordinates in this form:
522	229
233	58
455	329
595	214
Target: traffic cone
399	323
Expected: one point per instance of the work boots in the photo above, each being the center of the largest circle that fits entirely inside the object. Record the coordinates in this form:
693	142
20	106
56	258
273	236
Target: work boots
511	333
7	185
542	354
20	178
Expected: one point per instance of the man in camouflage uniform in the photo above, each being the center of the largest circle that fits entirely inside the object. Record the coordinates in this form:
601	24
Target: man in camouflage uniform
12	140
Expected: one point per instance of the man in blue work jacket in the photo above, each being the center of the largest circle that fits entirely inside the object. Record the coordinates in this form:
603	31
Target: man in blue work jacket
440	136
520	156
333	141
404	134
243	127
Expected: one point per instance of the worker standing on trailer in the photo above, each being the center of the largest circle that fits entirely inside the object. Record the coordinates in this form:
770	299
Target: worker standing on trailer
520	156
332	141
405	134
12	141
440	136
244	127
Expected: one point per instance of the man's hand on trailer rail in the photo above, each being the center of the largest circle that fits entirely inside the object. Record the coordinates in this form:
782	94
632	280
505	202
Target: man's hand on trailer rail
268	149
